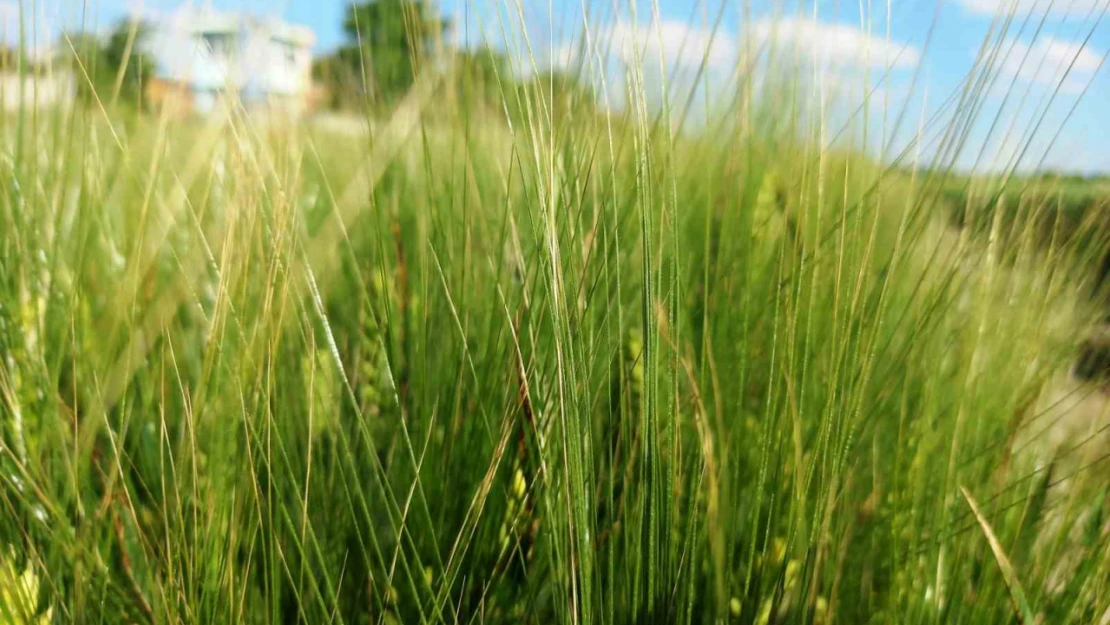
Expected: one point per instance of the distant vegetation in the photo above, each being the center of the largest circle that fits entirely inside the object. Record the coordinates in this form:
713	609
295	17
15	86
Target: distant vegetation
111	69
389	42
1056	211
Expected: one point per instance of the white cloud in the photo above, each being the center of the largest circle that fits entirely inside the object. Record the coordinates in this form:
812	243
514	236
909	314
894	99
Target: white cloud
1047	60
676	42
1077	9
680	45
834	44
842	52
686	46
9	22
38	31
563	56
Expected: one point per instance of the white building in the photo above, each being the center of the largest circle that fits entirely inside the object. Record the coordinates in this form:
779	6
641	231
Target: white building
42	83
18	92
205	56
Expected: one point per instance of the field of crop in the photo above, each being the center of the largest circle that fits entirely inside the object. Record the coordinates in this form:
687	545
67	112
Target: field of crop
534	364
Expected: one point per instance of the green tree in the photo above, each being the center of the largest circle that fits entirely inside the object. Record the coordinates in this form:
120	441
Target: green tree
480	75
14	60
389	40
82	52
555	92
129	65
113	68
340	79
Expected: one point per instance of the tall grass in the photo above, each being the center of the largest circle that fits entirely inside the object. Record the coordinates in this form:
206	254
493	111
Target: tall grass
560	366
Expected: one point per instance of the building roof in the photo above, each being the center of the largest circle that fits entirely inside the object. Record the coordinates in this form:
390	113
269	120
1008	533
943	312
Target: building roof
181	55
196	21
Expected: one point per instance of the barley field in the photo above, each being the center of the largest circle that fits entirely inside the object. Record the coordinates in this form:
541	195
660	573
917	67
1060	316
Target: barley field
545	359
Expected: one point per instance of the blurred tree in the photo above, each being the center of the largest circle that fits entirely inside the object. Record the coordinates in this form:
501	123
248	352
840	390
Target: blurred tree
555	92
12	59
130	67
83	52
388	41
339	79
113	68
480	75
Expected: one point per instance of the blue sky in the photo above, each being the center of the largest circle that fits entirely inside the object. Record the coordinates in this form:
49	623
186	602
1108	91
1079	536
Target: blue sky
849	48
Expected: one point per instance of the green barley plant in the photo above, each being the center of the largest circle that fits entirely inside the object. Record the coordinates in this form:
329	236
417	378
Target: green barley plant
622	346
